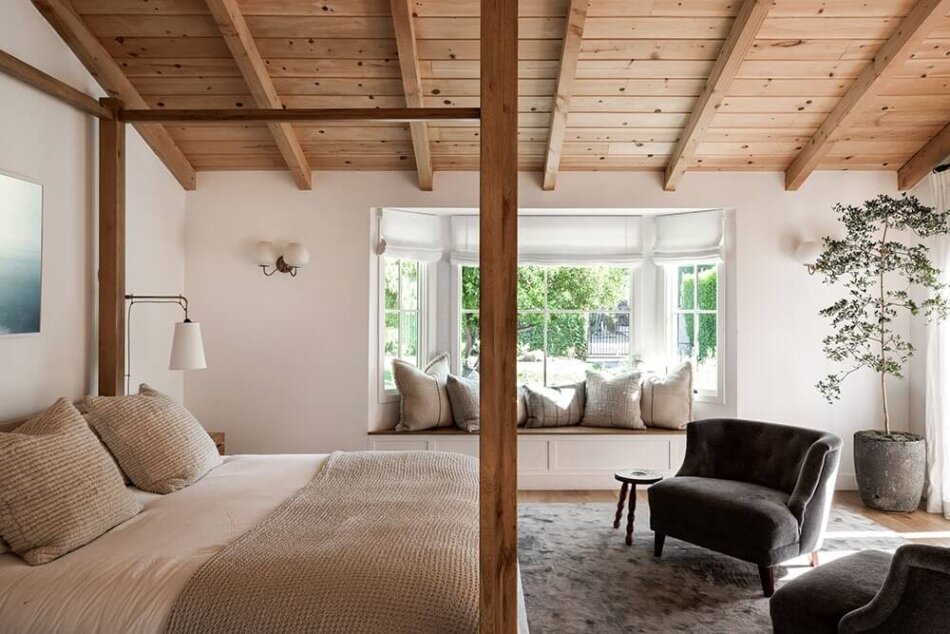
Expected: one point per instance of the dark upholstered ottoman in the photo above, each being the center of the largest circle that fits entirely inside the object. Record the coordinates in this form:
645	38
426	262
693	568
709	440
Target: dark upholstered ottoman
815	602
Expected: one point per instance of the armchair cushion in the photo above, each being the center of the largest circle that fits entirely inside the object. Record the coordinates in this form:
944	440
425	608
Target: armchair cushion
815	602
740	519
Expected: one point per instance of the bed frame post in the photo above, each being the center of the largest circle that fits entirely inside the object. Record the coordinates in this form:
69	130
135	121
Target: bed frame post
111	251
498	442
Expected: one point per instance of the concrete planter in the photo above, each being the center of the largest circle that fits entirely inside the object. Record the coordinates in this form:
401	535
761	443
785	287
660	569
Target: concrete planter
890	469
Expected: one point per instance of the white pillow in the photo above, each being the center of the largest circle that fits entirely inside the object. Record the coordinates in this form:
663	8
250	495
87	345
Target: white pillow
668	401
554	406
423	399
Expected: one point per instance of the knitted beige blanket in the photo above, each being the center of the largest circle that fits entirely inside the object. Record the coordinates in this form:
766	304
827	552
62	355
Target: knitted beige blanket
377	542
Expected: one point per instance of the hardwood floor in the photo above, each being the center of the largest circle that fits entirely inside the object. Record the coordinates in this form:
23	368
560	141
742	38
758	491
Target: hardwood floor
919	526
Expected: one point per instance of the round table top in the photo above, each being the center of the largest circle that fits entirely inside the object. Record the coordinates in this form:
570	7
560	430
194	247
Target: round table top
638	476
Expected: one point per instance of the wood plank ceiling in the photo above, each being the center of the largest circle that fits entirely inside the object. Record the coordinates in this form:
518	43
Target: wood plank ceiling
641	68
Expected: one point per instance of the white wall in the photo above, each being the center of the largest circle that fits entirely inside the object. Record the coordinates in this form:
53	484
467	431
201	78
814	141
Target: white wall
53	144
291	365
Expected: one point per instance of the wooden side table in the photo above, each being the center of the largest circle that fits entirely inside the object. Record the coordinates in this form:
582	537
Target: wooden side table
218	438
629	479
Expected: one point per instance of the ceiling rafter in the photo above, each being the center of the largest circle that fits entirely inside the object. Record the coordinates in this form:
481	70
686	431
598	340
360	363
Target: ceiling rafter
240	42
405	33
71	28
744	30
570	51
906	38
920	164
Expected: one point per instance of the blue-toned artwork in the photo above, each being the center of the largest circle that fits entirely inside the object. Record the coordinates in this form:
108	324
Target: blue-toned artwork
21	255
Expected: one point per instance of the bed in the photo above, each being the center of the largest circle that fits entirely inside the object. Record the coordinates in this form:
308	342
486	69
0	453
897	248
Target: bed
133	578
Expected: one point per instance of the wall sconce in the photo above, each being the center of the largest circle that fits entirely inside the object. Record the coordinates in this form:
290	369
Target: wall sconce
807	253
188	352
295	256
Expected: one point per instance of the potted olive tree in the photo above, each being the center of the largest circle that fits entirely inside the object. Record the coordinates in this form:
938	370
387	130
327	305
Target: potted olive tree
878	262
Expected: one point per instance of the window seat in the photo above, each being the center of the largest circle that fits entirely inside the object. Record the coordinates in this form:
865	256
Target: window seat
554	458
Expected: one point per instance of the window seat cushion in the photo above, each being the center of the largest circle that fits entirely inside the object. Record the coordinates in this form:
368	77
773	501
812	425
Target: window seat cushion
527	431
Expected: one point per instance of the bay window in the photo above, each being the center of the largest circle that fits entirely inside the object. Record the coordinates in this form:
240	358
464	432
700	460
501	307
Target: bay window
694	323
403	336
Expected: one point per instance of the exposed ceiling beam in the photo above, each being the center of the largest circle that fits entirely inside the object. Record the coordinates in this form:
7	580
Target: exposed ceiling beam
303	115
62	17
906	38
238	37
36	78
570	50
405	31
928	157
744	29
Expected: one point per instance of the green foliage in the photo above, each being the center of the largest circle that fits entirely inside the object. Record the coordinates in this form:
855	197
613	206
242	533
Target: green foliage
866	262
708	296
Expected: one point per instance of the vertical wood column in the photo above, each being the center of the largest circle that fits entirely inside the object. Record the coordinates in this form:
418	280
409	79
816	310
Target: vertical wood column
111	252
498	441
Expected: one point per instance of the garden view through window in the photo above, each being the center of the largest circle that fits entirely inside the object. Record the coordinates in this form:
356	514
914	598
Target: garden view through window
695	328
570	319
403	300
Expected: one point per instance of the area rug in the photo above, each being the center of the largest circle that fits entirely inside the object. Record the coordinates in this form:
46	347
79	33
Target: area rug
579	576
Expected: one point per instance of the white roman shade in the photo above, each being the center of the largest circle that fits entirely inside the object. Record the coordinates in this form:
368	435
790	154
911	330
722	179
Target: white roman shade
688	236
578	240
410	235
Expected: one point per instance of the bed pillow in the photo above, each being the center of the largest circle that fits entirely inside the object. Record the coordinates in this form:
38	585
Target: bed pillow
156	441
463	396
423	397
59	489
668	401
554	406
613	401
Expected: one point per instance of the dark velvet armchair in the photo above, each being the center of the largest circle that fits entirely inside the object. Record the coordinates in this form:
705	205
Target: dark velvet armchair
756	491
869	592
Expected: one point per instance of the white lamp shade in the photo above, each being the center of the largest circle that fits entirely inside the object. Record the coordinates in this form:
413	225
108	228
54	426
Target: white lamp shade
265	253
188	351
296	254
808	252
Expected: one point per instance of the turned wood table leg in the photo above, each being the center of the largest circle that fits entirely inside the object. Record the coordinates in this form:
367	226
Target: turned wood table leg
623	496
813	559
631	510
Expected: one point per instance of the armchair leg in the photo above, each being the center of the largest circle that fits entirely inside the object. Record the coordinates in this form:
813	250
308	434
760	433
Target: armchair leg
813	559
767	575
658	540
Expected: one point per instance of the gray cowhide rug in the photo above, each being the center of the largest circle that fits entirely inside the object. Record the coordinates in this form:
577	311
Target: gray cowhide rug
579	577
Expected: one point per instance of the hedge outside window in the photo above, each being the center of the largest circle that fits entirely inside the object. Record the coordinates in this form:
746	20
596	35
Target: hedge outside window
694	322
403	315
570	319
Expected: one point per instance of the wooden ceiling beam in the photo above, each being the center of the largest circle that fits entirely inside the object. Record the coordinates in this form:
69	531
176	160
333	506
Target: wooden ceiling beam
62	91
928	157
66	22
237	35
302	115
405	32
744	29
889	60
570	51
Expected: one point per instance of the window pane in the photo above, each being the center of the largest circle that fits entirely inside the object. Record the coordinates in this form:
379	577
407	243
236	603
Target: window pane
567	348
684	335
391	272
707	375
469	290
608	338
409	339
530	287
410	285
469	343
686	280
588	288
708	292
530	348
391	348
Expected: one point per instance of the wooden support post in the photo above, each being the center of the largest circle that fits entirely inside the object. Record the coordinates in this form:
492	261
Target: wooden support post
498	441
111	252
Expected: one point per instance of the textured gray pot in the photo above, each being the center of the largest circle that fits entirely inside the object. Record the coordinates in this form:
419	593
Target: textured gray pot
890	470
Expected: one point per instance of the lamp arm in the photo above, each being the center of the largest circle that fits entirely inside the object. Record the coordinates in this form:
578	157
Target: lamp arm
132	299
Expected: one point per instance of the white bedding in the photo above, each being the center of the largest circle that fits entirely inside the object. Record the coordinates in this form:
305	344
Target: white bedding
128	579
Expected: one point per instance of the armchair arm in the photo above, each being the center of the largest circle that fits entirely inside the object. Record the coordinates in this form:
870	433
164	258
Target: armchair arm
913	597
810	499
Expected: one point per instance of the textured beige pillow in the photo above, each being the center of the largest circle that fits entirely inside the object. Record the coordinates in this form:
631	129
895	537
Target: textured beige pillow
156	441
423	398
668	401
463	395
613	401
59	489
554	406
